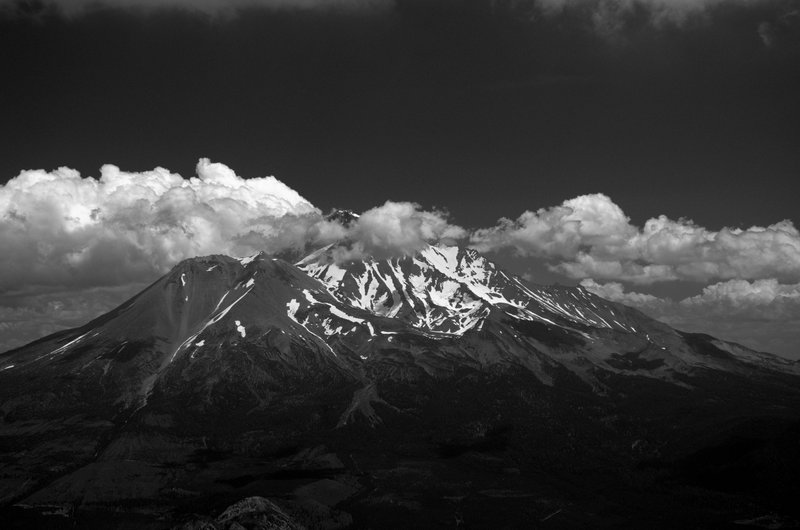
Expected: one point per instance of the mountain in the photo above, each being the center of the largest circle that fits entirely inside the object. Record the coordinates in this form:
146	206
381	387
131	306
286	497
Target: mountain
423	390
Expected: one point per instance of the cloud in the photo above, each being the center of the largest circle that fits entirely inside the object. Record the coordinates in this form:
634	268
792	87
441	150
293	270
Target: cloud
781	31
591	237
29	317
73	8
75	247
767	34
615	291
757	301
762	314
610	16
397	228
59	230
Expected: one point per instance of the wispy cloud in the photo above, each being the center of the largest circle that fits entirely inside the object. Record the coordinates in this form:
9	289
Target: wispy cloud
31	316
73	8
612	15
762	314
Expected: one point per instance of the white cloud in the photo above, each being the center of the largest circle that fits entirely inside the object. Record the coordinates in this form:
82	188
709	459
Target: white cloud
761	314
615	291
591	237
59	229
758	300
96	238
397	228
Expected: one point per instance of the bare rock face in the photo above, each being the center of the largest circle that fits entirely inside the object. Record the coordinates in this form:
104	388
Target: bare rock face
252	513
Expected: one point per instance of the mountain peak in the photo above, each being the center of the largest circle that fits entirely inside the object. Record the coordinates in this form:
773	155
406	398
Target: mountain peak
255	350
342	216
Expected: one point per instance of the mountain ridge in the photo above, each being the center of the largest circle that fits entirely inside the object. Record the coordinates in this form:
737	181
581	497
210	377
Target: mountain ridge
341	310
437	353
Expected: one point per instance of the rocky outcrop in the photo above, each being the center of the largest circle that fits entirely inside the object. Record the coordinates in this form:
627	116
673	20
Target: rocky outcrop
252	513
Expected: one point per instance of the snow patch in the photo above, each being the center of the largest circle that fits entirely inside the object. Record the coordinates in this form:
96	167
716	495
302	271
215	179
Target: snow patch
247	260
240	329
292	306
183	279
220	300
216	318
201	343
63	348
338	312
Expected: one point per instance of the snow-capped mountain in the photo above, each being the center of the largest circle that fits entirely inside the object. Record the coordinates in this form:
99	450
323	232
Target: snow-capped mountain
447	292
441	307
255	353
451	290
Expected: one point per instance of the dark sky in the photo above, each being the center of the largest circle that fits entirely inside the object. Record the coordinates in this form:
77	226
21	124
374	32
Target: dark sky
485	111
487	108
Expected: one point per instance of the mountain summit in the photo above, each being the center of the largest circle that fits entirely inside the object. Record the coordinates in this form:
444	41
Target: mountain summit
275	365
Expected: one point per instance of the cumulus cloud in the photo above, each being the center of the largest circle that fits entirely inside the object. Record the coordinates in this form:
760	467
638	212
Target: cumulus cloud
75	247
72	8
591	237
397	228
762	314
615	291
758	300
58	229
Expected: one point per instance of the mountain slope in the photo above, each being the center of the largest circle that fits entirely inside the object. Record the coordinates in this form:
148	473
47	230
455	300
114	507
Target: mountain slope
232	377
453	292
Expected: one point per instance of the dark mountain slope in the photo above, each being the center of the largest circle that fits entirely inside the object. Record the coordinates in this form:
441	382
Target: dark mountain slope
388	393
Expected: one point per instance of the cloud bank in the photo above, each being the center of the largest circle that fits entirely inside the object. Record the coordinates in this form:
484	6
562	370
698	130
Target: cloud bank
761	314
591	237
75	247
59	230
28	317
603	16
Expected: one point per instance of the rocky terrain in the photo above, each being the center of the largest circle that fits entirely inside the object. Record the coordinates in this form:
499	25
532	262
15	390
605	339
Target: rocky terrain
433	390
